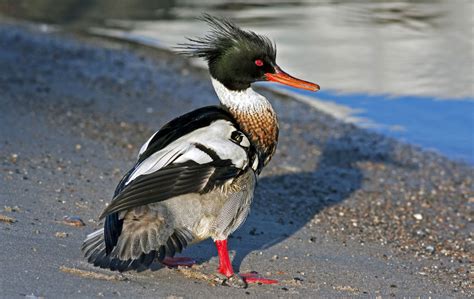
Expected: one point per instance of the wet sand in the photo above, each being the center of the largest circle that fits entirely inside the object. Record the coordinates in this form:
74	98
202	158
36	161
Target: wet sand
340	211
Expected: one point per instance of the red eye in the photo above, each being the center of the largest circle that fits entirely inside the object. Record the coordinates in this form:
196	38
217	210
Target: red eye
258	62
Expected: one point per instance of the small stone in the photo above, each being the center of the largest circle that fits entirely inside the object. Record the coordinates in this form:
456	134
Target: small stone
8	209
78	147
13	158
73	221
61	235
418	216
420	233
430	249
33	296
7	219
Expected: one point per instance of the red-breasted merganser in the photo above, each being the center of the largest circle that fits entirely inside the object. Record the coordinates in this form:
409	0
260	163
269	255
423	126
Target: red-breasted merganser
195	177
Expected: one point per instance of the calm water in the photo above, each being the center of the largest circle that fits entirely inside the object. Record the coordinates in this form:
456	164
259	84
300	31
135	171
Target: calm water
405	68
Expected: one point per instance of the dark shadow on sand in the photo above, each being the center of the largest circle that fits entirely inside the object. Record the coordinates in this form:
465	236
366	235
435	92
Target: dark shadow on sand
286	203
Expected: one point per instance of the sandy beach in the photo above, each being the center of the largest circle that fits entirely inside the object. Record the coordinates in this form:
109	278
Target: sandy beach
340	211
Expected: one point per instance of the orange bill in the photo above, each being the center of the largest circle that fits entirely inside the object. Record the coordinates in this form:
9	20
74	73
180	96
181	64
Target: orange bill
283	78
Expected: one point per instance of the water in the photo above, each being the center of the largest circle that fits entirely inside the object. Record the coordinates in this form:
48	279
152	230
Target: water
405	68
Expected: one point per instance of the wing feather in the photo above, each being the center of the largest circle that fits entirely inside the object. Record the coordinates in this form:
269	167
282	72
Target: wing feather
176	179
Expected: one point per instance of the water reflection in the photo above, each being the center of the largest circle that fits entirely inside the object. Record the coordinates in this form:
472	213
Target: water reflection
395	47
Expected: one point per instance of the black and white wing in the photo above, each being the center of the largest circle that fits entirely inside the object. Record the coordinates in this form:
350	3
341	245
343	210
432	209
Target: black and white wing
194	153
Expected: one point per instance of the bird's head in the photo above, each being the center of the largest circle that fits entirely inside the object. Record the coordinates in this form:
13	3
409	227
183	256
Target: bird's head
238	58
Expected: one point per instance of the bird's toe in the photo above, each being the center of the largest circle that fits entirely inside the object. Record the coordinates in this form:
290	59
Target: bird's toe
235	281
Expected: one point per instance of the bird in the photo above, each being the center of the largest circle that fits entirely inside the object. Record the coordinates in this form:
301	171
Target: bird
195	178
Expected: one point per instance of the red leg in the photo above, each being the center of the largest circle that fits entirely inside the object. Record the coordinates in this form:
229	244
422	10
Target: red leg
175	262
225	266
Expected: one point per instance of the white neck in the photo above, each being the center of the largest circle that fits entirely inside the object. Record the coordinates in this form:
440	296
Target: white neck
245	100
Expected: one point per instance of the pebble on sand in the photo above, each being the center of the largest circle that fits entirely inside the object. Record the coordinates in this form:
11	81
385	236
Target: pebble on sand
7	219
61	235
73	221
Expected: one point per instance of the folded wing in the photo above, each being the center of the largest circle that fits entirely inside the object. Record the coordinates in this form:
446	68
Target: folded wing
202	159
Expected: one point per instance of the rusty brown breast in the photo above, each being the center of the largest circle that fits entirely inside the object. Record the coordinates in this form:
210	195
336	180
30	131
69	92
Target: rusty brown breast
261	127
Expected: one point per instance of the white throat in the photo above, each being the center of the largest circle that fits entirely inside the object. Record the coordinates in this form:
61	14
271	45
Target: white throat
245	100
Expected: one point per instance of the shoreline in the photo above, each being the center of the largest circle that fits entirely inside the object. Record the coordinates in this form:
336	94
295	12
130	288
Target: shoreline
346	211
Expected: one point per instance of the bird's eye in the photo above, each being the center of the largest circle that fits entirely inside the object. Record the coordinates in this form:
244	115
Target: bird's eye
258	62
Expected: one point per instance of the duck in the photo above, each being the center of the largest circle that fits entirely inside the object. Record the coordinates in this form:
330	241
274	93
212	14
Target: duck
195	178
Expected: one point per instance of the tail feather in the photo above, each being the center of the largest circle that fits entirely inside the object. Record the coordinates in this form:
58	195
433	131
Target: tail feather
94	249
92	243
95	252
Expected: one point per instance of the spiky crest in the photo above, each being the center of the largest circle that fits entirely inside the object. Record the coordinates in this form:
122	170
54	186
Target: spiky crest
223	36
